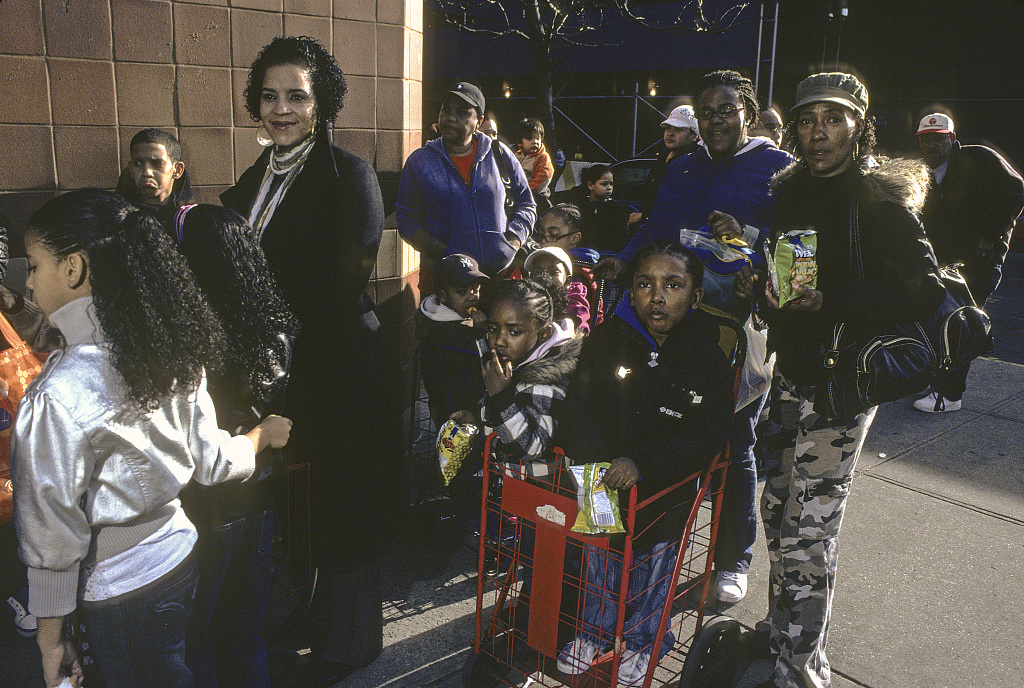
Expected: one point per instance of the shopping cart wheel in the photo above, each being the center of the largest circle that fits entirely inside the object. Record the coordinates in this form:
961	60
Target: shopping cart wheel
711	661
482	671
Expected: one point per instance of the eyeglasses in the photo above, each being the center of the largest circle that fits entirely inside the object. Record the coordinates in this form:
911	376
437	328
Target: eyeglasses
727	111
550	239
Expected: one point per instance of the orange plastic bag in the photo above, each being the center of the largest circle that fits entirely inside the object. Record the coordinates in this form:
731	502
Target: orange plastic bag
19	365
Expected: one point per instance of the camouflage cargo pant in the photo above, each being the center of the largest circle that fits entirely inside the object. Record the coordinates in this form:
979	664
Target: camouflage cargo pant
802	509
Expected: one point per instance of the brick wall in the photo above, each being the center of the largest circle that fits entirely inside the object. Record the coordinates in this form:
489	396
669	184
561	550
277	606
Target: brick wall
80	77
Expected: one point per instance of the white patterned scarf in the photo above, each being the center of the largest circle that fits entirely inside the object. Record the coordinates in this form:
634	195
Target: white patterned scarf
287	164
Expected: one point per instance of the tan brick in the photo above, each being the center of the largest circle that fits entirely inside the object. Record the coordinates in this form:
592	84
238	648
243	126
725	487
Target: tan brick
316	8
359	142
412	103
414	15
82	91
360	103
387	254
314	27
239	78
86	156
209	194
21	27
142	31
209	152
204	96
391	46
265	5
392	11
28	159
220	3
202	35
389	150
78	29
363	10
390	104
145	94
26	90
414	55
411	140
247	150
250	32
355	46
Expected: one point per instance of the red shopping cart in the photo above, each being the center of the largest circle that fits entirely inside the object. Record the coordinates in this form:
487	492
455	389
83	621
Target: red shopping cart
535	604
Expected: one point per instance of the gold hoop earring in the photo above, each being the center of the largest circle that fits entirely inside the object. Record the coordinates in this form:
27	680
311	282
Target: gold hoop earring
263	137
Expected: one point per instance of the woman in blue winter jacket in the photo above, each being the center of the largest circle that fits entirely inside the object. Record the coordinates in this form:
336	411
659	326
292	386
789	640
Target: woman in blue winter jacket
464	192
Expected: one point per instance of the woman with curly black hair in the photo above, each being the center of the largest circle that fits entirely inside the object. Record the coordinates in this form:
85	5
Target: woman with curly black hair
318	215
235	520
108	434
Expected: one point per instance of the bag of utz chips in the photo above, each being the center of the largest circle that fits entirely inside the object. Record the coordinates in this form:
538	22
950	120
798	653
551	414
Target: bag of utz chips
793	261
454	443
599	506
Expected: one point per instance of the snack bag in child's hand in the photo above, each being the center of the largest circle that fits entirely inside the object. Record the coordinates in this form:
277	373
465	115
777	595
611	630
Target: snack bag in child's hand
794	262
454	442
599	506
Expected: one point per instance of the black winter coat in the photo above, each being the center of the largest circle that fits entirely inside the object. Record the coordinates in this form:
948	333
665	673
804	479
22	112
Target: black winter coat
978	200
321	245
901	282
671	419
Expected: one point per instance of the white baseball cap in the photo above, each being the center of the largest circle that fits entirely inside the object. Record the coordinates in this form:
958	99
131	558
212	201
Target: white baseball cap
935	123
558	253
681	117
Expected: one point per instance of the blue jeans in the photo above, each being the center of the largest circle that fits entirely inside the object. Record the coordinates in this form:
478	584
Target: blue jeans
650	582
224	631
737	526
138	639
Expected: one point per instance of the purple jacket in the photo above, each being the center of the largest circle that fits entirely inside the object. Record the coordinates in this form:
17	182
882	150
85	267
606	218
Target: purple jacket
467	219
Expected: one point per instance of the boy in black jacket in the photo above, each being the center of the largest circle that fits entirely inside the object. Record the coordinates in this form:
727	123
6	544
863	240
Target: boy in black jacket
653	396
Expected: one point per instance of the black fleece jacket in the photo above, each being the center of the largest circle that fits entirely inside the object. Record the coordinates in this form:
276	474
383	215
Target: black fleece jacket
671	418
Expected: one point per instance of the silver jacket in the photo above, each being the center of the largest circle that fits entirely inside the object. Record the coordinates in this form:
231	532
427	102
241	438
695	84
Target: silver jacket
93	476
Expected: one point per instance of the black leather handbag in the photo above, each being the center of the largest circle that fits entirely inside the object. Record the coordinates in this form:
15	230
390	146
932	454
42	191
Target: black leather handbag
864	371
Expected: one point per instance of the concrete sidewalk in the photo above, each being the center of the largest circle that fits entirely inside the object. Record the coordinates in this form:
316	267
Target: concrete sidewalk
930	591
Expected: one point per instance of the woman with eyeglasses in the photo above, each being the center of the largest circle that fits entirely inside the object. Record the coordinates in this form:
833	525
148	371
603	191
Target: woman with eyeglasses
723	188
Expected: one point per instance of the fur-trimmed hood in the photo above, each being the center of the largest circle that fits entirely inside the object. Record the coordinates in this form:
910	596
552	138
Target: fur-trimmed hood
556	368
897	180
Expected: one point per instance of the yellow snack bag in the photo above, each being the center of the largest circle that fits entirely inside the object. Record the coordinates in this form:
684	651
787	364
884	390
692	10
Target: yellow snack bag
454	442
599	506
794	260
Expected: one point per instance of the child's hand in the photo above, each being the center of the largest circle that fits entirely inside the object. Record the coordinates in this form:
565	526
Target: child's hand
622	474
609	267
463	417
497	376
634	217
273	432
746	282
724	226
478	317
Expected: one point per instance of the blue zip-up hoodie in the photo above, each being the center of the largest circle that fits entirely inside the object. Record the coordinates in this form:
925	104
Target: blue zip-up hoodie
696	184
467	219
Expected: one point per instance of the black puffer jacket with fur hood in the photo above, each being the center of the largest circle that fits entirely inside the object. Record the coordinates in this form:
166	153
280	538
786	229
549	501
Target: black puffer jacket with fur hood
900	274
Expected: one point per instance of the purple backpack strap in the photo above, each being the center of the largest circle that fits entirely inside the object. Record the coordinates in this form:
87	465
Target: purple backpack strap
179	222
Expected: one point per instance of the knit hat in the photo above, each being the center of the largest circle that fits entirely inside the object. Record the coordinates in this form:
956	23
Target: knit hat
935	123
681	117
832	87
558	253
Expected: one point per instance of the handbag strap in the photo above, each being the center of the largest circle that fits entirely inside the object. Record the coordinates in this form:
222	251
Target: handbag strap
179	222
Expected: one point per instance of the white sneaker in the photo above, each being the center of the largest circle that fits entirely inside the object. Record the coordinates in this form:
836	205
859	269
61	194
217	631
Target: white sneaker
24	623
576	657
730	586
633	667
934	403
